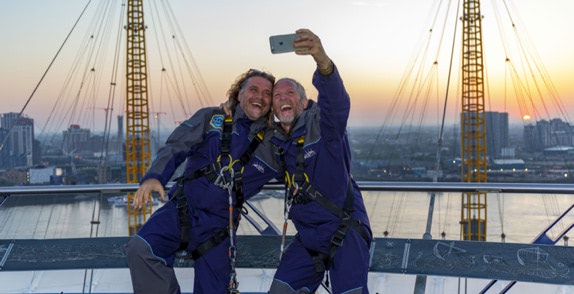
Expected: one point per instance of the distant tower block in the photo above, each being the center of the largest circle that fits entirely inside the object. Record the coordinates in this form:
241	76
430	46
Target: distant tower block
120	128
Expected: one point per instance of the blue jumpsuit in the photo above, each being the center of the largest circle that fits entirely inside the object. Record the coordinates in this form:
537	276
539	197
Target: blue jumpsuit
327	160
151	253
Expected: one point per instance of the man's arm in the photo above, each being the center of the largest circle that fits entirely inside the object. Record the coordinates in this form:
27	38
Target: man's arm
333	99
310	44
179	144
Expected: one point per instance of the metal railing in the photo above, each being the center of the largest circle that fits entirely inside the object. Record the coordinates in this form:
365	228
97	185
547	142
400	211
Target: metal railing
524	188
428	187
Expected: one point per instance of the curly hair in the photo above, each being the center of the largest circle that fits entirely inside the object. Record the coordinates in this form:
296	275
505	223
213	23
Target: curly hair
237	87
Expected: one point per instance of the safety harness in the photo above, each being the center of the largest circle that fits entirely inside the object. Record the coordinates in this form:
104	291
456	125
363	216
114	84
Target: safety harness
300	191
225	177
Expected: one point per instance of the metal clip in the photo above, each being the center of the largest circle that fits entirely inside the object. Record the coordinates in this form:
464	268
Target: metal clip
222	180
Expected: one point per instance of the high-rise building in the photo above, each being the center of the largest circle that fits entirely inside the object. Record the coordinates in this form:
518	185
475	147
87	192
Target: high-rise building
496	133
8	119
546	134
530	138
19	146
4	153
75	139
120	128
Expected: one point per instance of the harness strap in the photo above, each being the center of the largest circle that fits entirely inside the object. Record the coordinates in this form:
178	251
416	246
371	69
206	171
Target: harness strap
210	243
185	225
182	209
308	193
238	176
251	148
204	247
212	173
226	135
182	214
305	192
347	222
300	162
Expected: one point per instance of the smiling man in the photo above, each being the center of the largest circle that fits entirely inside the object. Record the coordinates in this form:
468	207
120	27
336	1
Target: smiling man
290	101
224	167
324	202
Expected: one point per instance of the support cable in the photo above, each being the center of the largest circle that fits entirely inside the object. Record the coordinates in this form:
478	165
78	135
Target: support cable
420	282
102	172
45	73
536	71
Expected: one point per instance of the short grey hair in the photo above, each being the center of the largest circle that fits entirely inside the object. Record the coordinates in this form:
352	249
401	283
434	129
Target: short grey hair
297	85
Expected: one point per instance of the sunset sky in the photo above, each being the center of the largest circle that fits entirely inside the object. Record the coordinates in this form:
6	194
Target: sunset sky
373	42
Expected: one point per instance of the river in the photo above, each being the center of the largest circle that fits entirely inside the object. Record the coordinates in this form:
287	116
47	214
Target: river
403	215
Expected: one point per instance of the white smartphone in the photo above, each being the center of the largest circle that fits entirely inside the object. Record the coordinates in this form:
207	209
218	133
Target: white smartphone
282	43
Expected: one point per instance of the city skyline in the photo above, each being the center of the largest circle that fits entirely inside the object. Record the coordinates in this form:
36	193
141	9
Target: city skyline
373	50
405	154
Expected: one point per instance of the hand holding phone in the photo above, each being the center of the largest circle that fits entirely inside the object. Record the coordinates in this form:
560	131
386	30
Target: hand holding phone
282	43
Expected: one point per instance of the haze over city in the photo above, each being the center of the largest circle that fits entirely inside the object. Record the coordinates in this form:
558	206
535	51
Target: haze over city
372	42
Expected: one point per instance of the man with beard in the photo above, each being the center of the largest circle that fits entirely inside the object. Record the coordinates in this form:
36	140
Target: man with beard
324	202
224	167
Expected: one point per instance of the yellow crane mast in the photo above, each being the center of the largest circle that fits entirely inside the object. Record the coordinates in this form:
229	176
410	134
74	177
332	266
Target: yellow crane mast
473	124
137	110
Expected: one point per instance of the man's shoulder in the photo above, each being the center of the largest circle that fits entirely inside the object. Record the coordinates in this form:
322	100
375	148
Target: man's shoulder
211	115
209	111
205	119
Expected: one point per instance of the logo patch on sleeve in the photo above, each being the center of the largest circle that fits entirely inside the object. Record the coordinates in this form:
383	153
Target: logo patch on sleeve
258	166
217	121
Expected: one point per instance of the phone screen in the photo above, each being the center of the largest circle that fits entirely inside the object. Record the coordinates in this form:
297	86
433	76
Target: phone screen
282	43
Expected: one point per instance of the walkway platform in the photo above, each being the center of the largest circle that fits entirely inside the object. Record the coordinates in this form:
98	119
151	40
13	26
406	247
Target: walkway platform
483	260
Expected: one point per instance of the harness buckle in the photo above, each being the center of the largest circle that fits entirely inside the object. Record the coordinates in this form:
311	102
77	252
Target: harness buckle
346	218
183	254
238	180
342	230
181	204
311	196
338	238
212	168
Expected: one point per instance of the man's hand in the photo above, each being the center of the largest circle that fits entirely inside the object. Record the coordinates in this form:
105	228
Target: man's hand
226	106
144	192
310	44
